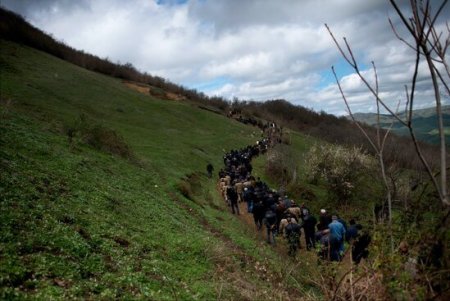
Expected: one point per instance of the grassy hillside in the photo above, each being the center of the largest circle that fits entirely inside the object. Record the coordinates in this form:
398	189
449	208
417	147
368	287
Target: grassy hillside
424	121
78	221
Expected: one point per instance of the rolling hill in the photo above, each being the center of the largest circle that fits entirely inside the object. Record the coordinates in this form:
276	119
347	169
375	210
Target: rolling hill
104	194
424	122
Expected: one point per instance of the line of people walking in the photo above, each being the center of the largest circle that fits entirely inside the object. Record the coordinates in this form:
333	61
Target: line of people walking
280	215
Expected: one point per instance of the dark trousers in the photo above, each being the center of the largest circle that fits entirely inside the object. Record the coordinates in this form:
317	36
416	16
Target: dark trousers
271	232
234	207
335	245
310	239
258	221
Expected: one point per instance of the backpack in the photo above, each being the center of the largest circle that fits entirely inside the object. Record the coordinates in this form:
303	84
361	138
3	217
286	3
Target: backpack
293	229
271	217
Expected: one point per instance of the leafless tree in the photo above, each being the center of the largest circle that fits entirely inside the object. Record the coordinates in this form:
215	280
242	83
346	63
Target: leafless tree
430	46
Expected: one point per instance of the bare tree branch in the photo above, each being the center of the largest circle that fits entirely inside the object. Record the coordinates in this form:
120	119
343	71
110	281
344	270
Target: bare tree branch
428	45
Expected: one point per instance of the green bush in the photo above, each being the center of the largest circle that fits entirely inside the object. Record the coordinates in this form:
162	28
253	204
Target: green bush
185	188
281	165
97	136
344	170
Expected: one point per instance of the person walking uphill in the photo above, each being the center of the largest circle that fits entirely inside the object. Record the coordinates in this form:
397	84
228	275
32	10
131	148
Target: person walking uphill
233	199
293	235
337	235
258	211
209	169
270	220
309	226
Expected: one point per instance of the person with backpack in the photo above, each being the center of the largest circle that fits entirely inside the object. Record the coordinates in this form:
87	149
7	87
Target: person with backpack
293	236
294	210
284	222
270	221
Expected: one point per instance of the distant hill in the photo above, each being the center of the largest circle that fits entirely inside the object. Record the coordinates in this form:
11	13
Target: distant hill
424	121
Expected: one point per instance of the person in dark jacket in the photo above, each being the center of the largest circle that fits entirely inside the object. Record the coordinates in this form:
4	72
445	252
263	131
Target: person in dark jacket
360	247
270	220
209	169
303	211
233	199
249	197
309	226
258	214
352	231
324	220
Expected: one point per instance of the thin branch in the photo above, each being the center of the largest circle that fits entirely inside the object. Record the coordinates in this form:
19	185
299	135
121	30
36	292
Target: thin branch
400	14
421	28
378	104
438	12
388	130
350	112
366	83
355	64
413	88
399	37
407	102
443	82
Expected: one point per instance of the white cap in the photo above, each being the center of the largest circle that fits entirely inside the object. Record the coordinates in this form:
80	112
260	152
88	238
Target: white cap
323	211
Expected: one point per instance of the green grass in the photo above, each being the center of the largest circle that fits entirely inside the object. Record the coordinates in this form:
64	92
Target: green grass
77	222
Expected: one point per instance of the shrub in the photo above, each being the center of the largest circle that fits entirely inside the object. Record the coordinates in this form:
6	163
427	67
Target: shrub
185	188
107	140
97	136
343	170
190	186
281	165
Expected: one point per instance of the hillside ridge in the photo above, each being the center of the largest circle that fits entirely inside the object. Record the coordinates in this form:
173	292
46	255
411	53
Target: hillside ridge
424	122
80	221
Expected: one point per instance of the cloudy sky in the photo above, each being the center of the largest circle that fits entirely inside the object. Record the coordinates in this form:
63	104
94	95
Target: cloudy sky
250	49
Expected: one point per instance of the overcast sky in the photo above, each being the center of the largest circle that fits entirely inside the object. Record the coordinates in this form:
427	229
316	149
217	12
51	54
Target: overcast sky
250	49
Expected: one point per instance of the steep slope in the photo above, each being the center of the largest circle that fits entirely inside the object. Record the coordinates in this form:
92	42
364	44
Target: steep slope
103	194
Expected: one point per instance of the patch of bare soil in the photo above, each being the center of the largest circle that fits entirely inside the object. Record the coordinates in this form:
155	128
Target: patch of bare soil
148	90
142	88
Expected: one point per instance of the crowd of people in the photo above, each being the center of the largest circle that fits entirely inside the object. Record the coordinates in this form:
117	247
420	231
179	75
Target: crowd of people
280	216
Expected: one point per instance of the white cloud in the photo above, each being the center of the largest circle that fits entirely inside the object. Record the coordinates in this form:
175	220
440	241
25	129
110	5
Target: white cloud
264	49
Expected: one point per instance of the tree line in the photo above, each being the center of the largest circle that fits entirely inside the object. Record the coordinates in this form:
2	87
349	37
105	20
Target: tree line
14	28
